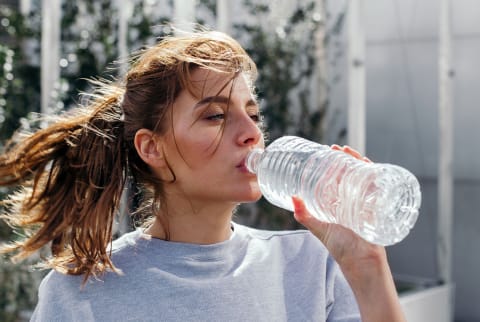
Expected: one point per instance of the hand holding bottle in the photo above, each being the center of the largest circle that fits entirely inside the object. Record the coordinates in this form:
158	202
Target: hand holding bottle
363	264
347	247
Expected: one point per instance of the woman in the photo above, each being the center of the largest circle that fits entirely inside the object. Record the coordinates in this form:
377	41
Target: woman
180	126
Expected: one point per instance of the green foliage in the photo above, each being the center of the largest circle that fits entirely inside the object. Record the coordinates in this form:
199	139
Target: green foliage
19	78
84	37
285	58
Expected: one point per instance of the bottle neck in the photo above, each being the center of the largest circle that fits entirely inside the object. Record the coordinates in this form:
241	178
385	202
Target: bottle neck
253	159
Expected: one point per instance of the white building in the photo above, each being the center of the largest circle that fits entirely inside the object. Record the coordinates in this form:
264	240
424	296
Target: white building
402	127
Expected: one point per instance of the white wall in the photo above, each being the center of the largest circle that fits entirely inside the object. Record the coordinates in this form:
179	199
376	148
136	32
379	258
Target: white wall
402	117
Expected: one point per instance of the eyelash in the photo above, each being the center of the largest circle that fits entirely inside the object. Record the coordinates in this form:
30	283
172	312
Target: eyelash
257	118
215	117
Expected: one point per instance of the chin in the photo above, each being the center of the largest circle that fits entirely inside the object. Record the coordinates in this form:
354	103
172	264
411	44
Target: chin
253	196
247	194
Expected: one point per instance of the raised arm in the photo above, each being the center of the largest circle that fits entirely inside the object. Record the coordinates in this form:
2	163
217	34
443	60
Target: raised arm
363	264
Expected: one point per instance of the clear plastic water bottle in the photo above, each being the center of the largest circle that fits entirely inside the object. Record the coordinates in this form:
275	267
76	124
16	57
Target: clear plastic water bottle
380	202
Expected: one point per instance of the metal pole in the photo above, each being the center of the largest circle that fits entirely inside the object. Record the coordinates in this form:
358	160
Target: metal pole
445	144
356	76
319	83
25	7
50	52
223	15
125	10
184	14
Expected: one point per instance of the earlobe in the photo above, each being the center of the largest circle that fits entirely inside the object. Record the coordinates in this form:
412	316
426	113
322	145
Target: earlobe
148	148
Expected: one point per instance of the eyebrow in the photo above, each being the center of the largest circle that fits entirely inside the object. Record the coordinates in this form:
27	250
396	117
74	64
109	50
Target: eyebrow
222	100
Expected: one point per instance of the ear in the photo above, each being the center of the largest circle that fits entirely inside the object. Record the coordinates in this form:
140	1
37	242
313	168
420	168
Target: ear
149	148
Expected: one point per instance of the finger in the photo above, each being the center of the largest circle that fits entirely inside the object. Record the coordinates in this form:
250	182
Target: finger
303	216
301	213
367	160
354	153
336	147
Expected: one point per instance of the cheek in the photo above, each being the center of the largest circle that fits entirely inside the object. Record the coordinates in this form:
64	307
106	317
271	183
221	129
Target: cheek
197	149
205	140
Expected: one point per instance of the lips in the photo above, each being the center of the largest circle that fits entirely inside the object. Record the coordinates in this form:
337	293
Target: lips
243	167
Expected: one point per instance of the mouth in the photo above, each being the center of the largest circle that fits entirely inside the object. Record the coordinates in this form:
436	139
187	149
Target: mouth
242	166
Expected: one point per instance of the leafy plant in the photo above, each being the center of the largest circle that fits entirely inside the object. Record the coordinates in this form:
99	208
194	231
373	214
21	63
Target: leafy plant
285	58
19	76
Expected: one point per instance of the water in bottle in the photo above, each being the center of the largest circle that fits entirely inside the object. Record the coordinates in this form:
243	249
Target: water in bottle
380	202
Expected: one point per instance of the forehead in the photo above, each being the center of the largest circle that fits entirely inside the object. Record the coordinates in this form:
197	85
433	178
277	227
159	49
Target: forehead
206	82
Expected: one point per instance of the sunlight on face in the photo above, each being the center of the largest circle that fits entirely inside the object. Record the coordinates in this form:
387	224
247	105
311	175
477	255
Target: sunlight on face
212	132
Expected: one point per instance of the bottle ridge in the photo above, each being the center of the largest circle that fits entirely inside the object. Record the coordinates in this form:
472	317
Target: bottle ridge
378	201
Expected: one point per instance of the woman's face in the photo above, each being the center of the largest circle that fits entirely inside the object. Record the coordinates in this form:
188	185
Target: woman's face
210	137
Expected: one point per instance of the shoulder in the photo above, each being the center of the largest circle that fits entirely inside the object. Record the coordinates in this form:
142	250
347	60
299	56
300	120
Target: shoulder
126	241
290	242
57	286
54	296
273	235
307	266
126	248
63	296
276	235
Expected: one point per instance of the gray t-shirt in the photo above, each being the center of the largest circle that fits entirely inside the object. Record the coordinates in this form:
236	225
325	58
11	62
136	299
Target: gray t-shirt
254	276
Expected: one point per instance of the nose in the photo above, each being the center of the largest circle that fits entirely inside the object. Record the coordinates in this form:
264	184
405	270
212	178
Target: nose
249	132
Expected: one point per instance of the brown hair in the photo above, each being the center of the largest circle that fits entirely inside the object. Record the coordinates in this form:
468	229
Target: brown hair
73	172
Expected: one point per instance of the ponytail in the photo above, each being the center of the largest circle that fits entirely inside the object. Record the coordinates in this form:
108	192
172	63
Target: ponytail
72	175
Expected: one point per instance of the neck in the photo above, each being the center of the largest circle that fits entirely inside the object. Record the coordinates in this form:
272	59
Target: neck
196	225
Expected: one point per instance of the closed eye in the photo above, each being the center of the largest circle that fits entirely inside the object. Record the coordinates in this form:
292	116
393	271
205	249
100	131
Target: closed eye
216	117
257	118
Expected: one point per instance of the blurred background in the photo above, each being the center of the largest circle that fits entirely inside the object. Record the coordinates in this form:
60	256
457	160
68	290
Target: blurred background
395	79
